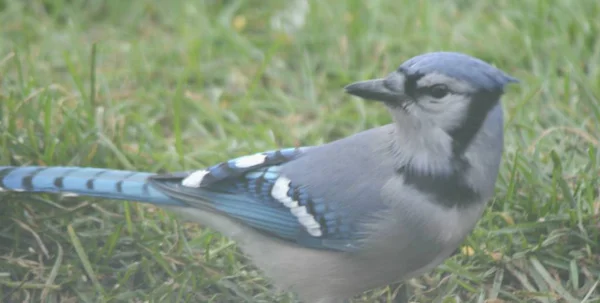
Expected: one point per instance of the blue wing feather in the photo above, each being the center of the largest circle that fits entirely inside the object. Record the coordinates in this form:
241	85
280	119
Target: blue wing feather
245	193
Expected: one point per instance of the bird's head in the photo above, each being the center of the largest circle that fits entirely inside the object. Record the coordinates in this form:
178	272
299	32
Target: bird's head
450	91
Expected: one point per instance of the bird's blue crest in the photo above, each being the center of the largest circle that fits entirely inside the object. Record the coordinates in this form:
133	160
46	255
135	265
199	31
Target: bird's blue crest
460	66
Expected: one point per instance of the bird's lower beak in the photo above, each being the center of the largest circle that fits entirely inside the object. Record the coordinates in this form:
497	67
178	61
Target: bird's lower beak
375	90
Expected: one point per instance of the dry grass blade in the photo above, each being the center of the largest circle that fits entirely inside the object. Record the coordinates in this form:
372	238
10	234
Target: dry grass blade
53	273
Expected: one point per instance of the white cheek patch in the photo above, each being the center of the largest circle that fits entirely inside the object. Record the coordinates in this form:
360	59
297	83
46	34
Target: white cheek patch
194	179
249	161
280	193
446	113
456	109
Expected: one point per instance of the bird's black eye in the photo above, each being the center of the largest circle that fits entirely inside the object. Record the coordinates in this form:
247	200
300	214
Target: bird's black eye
438	91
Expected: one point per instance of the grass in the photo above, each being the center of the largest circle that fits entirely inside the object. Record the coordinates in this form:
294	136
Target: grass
170	85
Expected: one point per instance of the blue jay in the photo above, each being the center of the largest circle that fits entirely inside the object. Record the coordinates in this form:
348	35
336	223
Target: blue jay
331	221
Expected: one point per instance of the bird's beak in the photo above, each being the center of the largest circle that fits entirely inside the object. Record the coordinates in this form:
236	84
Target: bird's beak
375	90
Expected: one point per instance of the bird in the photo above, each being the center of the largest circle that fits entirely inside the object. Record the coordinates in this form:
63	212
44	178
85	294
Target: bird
329	222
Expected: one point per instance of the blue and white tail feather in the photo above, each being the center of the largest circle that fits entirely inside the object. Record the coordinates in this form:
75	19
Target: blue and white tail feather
250	189
93	182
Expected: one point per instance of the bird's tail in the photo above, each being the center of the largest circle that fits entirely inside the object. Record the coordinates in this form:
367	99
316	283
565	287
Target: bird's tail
92	182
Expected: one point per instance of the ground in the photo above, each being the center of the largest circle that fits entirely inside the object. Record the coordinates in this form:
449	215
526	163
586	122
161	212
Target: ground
174	85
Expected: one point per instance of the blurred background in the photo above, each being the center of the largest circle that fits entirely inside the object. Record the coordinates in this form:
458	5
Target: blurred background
162	86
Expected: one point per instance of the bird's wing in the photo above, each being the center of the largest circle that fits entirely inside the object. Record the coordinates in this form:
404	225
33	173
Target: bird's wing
253	190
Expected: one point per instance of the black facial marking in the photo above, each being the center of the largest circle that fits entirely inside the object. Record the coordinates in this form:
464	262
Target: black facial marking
448	190
482	102
410	83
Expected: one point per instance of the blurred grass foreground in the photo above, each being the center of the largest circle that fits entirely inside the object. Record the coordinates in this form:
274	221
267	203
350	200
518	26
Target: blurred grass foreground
162	86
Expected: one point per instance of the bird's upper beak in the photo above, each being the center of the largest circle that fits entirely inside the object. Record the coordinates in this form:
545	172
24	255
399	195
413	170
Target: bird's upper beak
376	90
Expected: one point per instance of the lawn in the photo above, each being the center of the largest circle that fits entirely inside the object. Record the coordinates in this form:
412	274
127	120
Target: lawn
161	86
